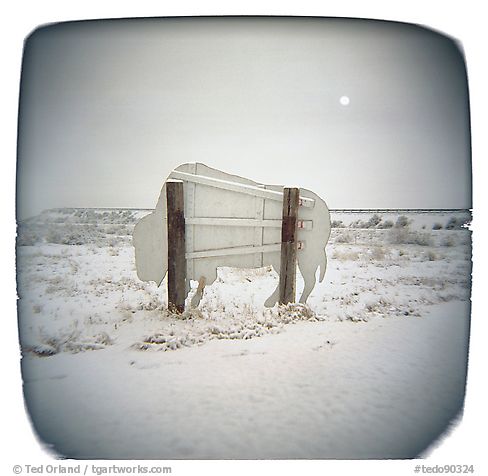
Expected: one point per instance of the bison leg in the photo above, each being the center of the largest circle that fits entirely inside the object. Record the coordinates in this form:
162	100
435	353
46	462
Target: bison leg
197	297
273	299
307	271
275	262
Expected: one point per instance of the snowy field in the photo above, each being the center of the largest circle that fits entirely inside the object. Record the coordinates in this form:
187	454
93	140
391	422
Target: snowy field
373	367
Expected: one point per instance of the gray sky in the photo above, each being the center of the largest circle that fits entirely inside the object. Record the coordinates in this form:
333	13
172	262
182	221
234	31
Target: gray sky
108	109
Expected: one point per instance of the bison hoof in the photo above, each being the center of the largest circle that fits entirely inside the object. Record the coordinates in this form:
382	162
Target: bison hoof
271	301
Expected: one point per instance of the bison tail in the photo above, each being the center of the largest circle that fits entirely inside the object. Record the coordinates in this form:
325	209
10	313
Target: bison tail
323	266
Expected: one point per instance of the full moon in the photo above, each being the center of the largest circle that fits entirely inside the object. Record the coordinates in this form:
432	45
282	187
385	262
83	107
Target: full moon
344	100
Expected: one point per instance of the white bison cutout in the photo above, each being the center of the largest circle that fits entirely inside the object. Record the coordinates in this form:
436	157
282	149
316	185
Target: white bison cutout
235	222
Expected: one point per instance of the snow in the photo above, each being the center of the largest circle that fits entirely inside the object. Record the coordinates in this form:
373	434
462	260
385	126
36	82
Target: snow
373	367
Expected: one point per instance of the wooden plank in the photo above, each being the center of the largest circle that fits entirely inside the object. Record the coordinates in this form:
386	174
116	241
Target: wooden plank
176	246
289	245
190	229
247	222
305	224
258	231
238	250
244	222
237	187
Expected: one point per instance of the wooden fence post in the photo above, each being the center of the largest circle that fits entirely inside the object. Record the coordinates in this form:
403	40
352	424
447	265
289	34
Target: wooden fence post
289	245
176	246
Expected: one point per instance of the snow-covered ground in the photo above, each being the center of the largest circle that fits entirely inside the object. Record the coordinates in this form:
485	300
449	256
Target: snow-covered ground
373	367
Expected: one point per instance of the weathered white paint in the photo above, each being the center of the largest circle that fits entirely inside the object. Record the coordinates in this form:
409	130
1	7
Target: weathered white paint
238	250
235	222
255	191
307	224
189	214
